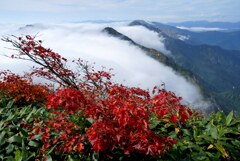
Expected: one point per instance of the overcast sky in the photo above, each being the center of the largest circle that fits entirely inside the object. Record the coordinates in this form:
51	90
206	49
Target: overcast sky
60	11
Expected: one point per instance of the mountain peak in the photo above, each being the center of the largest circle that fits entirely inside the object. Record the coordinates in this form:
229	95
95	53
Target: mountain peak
139	22
111	31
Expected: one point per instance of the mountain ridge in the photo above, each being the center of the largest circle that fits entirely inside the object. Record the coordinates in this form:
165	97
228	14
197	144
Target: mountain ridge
219	69
226	40
168	61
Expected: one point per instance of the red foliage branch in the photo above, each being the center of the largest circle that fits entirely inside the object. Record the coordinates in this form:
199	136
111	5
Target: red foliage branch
53	66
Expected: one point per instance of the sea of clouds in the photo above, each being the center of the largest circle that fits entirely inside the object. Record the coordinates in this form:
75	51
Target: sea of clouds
131	65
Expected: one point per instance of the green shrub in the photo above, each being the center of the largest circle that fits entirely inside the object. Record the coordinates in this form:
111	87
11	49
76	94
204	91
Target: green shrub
216	137
14	140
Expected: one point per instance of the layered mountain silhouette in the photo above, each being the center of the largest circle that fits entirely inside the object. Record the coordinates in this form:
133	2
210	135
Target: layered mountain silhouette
211	66
226	40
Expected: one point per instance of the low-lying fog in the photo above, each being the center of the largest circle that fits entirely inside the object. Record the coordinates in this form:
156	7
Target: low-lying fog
131	65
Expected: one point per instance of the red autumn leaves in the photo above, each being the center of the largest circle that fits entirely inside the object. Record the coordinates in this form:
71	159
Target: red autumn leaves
120	120
167	104
22	89
68	98
90	111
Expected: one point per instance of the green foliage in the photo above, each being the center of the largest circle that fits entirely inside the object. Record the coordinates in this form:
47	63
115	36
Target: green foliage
216	137
14	140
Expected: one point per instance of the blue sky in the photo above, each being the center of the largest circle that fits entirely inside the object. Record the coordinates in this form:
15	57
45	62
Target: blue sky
59	11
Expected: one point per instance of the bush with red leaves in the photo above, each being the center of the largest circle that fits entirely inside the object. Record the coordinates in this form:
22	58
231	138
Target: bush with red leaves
22	89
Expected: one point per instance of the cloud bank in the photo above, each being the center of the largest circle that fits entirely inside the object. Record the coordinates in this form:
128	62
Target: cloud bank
201	29
145	37
131	65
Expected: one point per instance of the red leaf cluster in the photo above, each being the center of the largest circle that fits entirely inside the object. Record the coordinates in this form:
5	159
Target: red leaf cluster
69	98
60	132
167	105
22	89
120	120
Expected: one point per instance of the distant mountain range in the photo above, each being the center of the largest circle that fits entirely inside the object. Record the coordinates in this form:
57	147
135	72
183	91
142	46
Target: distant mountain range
226	40
201	58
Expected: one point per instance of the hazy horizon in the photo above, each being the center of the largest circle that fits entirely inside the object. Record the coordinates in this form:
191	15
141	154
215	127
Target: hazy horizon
63	11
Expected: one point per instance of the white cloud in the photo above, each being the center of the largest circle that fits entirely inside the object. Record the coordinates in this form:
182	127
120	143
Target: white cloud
200	29
182	37
145	37
131	65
